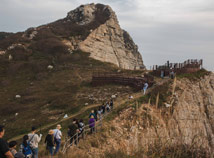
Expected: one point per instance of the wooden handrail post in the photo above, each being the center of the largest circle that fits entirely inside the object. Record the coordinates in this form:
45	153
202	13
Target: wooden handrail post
157	100
149	103
174	85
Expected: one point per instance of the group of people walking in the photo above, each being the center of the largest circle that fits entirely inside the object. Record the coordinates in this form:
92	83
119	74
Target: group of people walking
29	147
77	128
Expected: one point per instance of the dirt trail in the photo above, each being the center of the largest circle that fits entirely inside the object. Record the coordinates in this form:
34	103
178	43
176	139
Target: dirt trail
118	101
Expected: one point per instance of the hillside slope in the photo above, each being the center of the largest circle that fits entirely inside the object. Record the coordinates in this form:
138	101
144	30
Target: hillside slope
47	95
184	130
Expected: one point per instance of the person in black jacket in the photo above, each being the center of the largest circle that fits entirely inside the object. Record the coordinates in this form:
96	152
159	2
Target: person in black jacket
111	104
81	127
4	149
73	132
103	108
49	140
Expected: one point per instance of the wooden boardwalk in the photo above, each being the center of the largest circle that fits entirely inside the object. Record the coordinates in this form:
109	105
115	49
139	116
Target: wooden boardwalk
137	82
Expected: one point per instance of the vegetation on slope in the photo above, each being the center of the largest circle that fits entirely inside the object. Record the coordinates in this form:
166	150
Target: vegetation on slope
46	95
195	76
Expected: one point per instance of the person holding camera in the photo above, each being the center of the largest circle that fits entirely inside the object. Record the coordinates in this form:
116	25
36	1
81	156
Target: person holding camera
34	140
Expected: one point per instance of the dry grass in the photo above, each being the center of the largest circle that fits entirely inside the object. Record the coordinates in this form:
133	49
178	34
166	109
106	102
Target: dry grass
44	90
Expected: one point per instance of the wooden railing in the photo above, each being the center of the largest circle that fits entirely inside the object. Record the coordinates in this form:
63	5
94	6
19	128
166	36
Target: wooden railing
188	66
137	82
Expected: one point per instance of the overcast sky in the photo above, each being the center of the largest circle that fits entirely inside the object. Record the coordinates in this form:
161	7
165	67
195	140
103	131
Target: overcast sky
173	30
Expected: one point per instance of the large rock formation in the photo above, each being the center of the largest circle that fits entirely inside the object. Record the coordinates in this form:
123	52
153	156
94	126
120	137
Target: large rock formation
91	28
108	42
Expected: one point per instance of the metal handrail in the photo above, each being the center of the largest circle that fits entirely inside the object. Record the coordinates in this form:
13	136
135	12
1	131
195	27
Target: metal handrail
86	129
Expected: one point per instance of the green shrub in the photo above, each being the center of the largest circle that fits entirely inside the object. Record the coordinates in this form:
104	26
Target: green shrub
195	76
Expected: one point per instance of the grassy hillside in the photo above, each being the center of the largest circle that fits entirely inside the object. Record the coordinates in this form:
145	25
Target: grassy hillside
46	95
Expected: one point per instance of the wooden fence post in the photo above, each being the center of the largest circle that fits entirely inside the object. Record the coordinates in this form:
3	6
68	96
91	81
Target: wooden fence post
157	100
174	85
136	106
149	103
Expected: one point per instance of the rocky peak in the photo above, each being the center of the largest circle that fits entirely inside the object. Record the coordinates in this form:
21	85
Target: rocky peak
92	28
85	14
107	42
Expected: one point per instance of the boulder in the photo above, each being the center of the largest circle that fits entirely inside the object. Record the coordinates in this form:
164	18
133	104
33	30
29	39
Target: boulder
50	67
18	96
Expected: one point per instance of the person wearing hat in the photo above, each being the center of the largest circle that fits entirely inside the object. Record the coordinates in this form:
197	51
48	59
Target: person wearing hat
49	140
57	138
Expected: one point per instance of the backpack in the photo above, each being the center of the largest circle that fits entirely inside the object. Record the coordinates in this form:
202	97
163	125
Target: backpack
81	126
19	155
55	139
30	141
27	150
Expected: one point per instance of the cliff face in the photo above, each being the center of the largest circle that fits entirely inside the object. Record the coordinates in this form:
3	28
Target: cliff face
109	42
189	122
185	129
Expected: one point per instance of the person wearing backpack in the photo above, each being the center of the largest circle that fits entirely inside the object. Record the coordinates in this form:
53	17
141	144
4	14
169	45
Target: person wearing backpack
25	147
99	113
107	107
111	104
34	140
4	149
81	126
73	131
57	138
49	140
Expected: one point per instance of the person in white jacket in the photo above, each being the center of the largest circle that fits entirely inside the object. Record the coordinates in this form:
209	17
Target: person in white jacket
34	140
57	138
145	87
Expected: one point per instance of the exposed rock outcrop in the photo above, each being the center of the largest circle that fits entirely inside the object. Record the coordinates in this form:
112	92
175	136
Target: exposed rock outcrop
108	42
191	122
82	15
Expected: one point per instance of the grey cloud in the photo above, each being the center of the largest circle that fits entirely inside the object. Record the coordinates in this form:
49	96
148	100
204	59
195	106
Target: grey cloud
175	43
